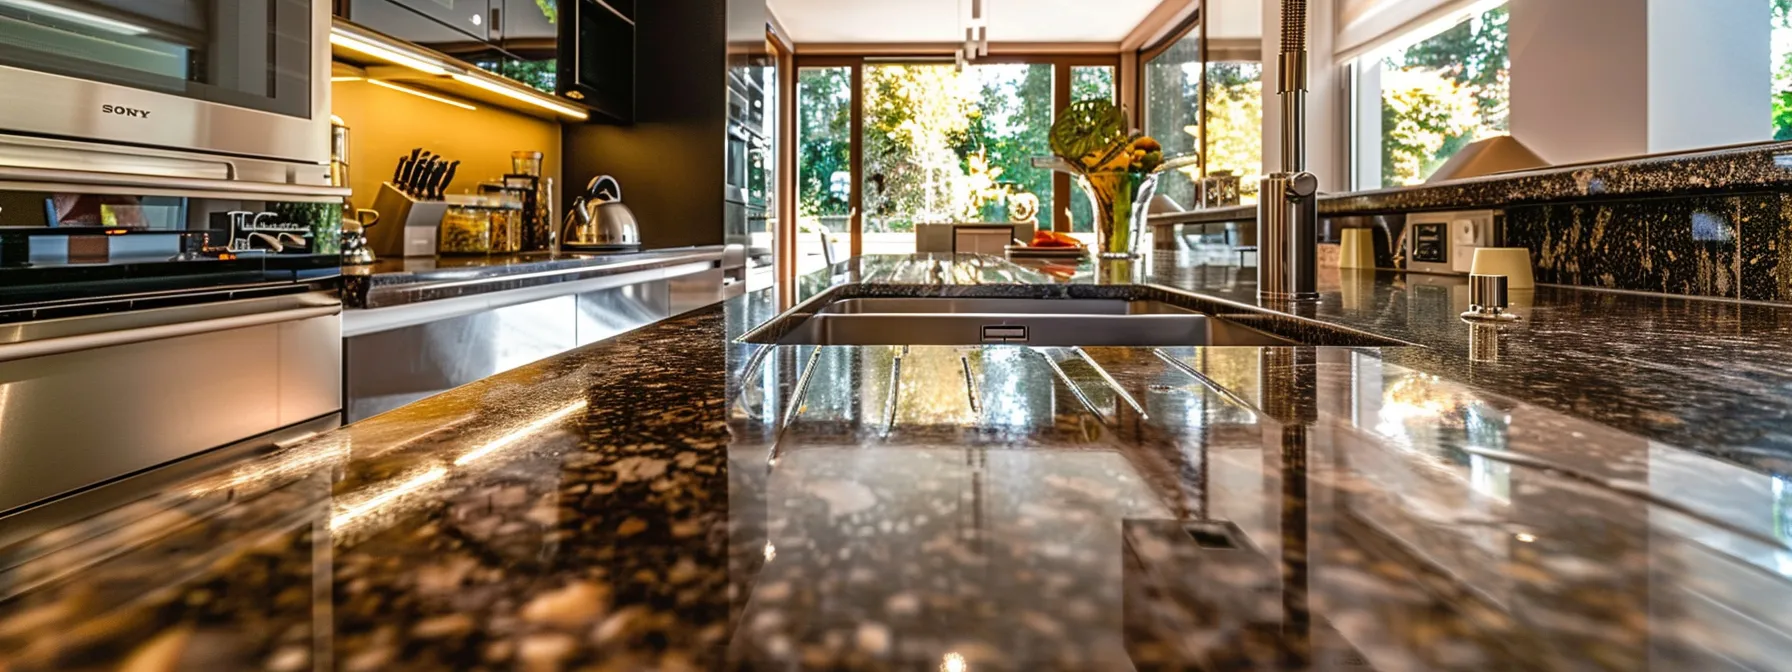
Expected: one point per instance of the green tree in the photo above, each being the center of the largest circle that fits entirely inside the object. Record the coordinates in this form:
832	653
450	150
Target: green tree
915	116
1423	112
824	123
1235	118
1443	93
1782	73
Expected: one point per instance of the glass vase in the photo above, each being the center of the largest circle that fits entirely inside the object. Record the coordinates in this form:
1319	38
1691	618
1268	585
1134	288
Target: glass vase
1121	200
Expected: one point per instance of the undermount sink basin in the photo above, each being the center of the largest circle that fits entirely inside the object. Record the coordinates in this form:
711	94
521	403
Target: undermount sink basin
1042	322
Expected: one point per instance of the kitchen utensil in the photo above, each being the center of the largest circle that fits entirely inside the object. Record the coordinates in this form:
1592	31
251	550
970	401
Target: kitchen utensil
338	152
447	179
408	226
355	248
403	176
432	186
415	188
599	219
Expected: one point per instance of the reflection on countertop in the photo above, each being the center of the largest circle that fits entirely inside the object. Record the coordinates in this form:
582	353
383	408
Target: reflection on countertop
391	282
677	499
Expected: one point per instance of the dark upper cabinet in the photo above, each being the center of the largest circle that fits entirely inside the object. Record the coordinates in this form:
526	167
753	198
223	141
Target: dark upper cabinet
583	50
450	26
598	56
526	28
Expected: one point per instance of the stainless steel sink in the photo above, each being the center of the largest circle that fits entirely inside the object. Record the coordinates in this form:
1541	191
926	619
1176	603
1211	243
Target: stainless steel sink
1053	322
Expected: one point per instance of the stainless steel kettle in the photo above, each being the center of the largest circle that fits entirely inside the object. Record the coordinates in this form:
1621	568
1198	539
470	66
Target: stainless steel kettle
599	219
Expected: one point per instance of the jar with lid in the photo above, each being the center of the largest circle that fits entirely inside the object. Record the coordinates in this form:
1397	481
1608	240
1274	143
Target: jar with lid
481	228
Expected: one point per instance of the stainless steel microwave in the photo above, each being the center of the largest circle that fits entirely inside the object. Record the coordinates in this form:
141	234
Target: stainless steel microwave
243	78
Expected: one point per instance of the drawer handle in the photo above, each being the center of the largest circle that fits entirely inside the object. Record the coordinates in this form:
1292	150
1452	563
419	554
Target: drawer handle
106	339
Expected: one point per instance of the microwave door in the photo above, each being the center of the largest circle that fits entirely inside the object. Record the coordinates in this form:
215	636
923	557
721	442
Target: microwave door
246	77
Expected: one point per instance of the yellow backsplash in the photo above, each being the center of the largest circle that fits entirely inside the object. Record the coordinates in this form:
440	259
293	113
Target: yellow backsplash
385	124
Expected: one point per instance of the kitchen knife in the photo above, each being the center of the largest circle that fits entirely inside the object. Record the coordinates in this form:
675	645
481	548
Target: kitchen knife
420	181
405	176
398	172
447	178
431	187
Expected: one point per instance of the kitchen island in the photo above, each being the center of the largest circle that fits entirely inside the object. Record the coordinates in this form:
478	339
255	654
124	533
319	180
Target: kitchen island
1596	487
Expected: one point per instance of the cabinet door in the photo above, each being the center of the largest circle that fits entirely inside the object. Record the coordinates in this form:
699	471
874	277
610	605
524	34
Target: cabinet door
433	23
623	7
526	27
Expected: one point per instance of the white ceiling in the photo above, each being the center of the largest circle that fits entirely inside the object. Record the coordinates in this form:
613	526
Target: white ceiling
943	20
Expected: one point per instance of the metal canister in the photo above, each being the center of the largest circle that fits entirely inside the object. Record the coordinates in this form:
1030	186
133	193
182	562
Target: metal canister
338	152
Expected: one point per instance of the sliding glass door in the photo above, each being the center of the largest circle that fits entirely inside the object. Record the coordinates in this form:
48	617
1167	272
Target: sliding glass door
945	145
825	159
885	148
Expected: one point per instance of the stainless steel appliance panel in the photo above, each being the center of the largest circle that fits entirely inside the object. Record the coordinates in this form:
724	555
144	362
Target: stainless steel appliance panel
310	368
248	78
389	369
82	415
690	292
606	313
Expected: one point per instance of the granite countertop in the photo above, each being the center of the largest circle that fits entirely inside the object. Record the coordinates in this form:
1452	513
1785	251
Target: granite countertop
676	498
391	282
1742	168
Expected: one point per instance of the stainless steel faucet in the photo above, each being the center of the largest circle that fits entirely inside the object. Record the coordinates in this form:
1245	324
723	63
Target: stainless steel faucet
1288	209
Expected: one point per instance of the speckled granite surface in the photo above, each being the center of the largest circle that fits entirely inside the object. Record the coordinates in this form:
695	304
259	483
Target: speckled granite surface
1715	223
1759	167
396	282
677	499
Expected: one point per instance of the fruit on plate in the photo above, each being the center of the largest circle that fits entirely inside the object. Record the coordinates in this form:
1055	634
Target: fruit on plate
1054	239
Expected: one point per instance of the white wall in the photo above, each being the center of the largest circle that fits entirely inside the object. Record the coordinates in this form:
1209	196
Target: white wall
1580	88
1234	19
1603	79
1710	72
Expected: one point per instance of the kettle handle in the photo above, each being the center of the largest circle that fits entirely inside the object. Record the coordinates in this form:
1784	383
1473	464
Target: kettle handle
593	190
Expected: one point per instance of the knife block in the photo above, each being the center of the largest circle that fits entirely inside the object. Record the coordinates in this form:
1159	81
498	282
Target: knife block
408	227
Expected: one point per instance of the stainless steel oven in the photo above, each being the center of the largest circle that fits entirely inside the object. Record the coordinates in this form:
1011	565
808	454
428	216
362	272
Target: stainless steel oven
245	78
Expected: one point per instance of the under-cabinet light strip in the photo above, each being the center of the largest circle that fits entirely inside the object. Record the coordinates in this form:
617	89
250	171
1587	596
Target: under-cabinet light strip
420	94
516	94
413	61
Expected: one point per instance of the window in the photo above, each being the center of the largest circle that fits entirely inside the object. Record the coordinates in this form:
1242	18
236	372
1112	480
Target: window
1172	82
1782	69
1435	96
1235	119
1211	107
915	143
1086	82
824	163
944	145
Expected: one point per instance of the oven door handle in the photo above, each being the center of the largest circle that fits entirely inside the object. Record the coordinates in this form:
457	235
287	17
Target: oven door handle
105	339
96	182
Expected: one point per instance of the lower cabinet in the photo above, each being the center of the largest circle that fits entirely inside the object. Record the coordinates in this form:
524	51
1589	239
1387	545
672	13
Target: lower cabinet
386	369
